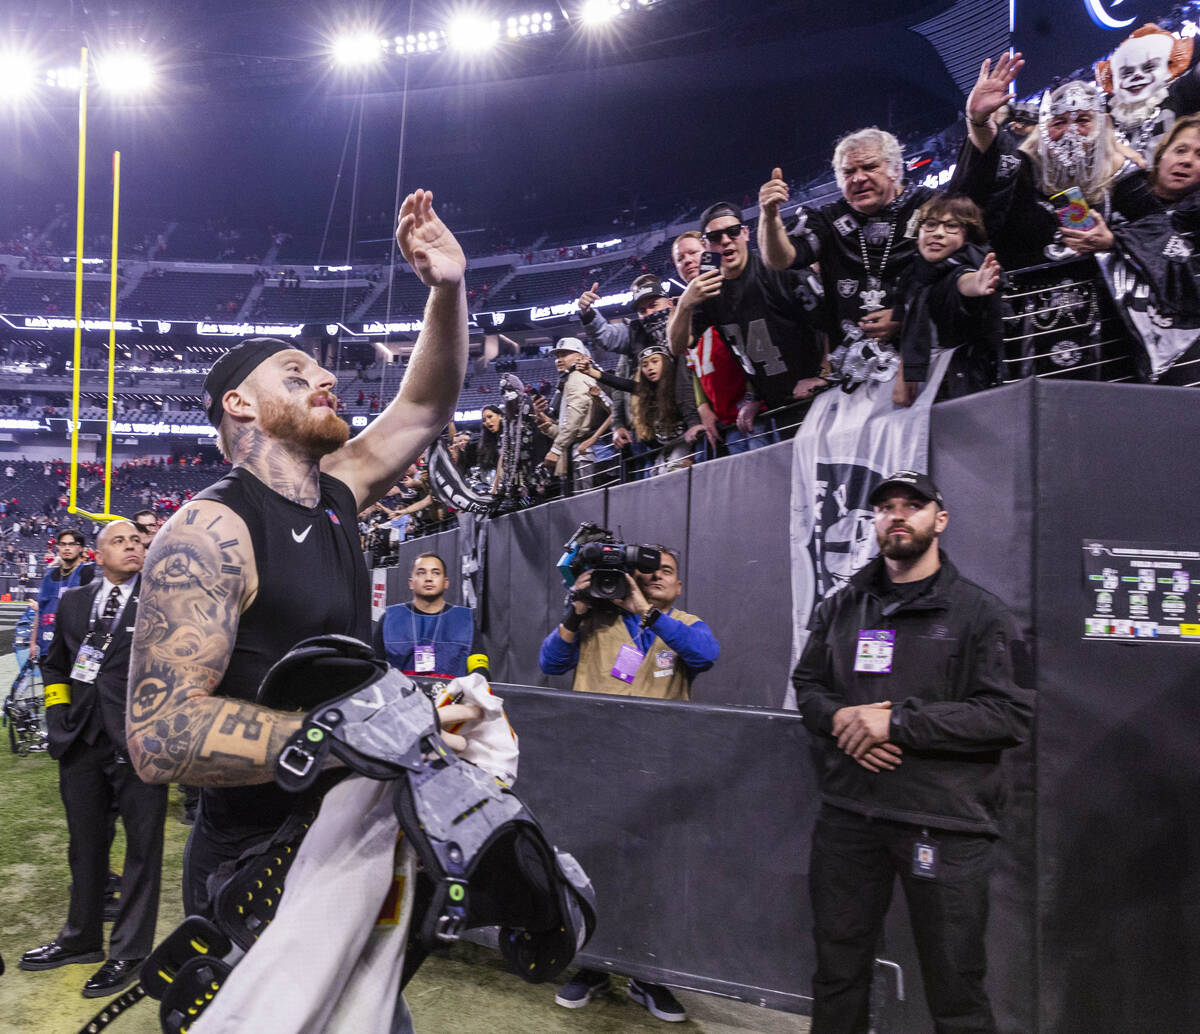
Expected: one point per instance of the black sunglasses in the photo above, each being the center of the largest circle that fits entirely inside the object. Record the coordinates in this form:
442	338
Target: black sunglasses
732	232
146	527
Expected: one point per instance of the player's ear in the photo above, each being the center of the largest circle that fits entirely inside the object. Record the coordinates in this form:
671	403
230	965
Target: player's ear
238	402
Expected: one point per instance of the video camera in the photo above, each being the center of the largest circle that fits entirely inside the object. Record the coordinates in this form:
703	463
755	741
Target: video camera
596	549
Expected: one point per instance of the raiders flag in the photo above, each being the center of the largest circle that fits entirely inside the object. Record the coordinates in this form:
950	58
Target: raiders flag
846	445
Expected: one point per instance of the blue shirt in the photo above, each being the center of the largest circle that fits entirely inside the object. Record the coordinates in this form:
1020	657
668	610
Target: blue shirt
694	644
50	592
451	633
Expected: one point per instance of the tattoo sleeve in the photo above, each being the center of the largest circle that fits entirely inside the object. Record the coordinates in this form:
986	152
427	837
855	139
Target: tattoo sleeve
193	584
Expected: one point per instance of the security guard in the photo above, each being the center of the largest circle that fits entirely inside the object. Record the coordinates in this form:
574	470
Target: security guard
912	683
85	673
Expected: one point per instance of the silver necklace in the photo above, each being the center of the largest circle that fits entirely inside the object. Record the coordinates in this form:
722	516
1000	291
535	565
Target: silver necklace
872	294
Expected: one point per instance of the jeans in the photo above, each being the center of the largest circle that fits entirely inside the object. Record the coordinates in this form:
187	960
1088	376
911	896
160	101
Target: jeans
738	441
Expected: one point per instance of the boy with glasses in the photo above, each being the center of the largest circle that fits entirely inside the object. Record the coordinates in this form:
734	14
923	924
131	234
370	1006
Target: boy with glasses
950	302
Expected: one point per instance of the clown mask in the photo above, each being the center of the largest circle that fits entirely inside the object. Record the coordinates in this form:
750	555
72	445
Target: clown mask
1141	71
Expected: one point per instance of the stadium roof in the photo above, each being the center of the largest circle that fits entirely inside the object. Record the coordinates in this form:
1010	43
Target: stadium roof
681	101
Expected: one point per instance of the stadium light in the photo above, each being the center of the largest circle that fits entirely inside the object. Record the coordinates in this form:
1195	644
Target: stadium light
17	75
125	73
419	43
66	78
533	23
358	49
472	33
599	12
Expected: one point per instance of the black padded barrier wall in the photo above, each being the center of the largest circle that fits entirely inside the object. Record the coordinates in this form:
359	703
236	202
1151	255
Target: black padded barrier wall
691	821
1118	767
982	456
735	569
1094	924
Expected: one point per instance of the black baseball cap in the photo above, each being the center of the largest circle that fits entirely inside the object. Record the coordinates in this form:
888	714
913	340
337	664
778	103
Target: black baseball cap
922	484
646	286
716	211
234	367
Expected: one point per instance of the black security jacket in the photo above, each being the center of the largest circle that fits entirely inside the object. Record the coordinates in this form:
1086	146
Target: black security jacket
956	701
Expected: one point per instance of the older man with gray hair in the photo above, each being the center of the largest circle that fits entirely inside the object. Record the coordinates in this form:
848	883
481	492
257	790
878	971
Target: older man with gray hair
864	242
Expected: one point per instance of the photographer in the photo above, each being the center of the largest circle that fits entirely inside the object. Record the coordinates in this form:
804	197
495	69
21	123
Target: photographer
582	414
639	645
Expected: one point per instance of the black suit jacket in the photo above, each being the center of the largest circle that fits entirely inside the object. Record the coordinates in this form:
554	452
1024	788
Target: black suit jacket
65	722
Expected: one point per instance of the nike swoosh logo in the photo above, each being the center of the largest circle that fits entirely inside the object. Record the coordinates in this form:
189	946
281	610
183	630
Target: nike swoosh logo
301	538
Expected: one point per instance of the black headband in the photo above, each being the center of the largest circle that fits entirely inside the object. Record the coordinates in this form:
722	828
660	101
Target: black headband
234	367
653	349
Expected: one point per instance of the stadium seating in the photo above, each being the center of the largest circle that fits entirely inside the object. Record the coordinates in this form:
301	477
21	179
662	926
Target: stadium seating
50	296
553	286
309	305
171	295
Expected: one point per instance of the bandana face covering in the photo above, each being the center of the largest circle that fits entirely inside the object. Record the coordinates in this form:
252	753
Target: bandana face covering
1075	158
656	326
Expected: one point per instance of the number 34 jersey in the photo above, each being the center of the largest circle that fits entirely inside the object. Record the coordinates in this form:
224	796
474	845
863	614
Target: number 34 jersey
770	322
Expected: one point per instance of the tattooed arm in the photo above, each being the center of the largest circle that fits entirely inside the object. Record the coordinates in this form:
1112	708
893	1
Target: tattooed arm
198	578
372	461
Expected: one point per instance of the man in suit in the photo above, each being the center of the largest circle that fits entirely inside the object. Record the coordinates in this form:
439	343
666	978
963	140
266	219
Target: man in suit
85	673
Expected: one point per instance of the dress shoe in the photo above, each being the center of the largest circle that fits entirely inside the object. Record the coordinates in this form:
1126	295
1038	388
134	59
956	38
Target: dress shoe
53	955
113	976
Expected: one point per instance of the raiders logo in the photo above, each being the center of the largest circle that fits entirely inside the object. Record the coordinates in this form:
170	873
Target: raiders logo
1178	249
1008	166
846	288
1158	319
845	225
877	232
843	538
1066	353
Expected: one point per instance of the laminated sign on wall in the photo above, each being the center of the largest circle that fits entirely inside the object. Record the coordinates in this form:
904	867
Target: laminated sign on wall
1137	590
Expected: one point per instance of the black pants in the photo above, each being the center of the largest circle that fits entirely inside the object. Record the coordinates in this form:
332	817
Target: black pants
853	867
206	851
91	778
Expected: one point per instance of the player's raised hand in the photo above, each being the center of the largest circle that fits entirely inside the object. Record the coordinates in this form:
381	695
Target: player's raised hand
427	245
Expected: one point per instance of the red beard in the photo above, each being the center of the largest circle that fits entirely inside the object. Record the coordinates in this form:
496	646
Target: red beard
317	430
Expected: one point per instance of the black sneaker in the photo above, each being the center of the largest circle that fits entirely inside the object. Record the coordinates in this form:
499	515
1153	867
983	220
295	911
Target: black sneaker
582	988
657	1000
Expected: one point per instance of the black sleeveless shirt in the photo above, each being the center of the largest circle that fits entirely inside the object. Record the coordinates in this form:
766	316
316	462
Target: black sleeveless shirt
312	580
